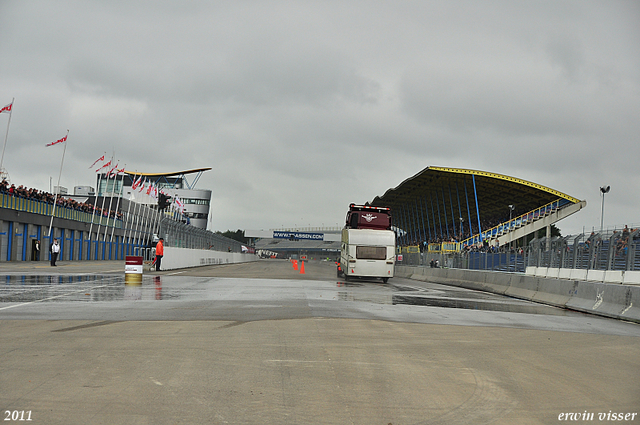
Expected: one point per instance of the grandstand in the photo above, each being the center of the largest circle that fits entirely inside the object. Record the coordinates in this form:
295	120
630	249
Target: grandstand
470	208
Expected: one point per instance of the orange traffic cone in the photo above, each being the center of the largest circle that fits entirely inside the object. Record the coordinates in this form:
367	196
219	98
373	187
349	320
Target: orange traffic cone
295	264
302	267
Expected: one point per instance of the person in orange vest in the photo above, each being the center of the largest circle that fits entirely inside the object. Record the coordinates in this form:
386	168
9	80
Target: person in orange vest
159	253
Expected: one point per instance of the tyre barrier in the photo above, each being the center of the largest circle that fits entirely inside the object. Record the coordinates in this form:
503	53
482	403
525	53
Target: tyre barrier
615	300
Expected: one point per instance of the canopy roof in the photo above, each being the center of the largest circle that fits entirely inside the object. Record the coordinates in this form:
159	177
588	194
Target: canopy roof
172	174
452	191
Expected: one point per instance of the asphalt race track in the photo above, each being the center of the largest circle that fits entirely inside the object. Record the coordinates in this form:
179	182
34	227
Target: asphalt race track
260	343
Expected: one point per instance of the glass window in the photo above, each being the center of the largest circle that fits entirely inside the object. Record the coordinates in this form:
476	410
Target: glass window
371	253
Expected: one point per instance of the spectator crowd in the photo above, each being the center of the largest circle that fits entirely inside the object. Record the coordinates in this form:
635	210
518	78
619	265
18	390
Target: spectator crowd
61	202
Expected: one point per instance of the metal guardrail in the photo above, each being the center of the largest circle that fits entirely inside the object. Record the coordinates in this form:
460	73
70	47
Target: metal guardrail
181	235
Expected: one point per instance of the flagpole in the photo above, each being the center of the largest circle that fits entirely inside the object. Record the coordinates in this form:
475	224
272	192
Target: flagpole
6	134
136	220
115	181
134	229
118	203
95	205
140	224
131	218
128	218
55	198
101	214
157	220
93	214
145	222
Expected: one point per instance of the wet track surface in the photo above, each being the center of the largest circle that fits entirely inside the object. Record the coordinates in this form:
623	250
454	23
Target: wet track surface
176	296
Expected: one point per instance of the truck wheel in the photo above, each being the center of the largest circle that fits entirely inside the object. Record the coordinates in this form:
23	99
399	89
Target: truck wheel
385	279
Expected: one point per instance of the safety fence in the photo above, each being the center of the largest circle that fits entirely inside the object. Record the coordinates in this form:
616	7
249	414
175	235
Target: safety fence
611	250
180	235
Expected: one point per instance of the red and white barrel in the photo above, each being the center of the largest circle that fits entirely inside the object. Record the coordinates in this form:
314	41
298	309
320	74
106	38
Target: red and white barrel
133	270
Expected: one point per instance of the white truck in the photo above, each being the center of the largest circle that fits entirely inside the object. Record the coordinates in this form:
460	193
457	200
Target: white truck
368	246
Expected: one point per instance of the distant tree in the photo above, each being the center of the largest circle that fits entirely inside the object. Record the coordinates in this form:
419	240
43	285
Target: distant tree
238	235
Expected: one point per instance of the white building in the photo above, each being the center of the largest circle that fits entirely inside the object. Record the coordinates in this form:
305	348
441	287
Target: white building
196	201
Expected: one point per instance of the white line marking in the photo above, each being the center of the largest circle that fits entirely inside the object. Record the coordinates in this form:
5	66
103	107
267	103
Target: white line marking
56	296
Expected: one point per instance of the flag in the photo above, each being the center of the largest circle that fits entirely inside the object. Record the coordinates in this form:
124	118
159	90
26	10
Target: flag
64	139
7	108
142	185
104	166
136	182
115	167
97	160
154	192
179	204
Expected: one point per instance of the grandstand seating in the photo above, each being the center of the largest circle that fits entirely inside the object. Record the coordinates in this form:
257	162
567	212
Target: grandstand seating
526	219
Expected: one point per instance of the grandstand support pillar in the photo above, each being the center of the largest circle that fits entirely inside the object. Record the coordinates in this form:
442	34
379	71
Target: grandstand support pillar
547	242
612	252
475	194
574	261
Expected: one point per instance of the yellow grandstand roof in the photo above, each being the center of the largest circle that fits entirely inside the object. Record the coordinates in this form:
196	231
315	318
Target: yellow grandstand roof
172	174
452	191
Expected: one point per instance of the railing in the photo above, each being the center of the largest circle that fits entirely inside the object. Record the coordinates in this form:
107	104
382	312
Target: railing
44	208
614	250
516	222
180	235
435	247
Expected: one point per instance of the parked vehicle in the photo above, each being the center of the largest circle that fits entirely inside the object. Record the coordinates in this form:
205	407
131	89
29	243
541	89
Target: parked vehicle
368	245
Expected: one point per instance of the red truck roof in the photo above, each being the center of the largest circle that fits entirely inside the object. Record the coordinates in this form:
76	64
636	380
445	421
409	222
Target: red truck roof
368	217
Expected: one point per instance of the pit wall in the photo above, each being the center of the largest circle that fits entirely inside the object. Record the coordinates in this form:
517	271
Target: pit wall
616	300
180	258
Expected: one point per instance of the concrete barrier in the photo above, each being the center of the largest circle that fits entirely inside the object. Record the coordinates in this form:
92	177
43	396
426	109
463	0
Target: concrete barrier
553	272
524	287
578	274
631	278
616	300
564	274
613	276
595	275
541	271
180	258
556	292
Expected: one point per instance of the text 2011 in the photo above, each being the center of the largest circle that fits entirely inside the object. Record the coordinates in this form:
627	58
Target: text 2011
17	415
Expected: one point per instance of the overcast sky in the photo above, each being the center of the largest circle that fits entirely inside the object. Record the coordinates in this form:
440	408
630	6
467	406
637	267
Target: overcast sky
302	107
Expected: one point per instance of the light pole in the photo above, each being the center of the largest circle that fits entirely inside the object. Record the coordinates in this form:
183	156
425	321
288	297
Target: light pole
603	190
511	208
